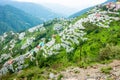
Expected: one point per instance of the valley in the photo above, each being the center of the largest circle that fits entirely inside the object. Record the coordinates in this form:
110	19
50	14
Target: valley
86	47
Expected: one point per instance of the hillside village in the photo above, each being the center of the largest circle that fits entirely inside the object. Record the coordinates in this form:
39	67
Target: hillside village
8	65
66	36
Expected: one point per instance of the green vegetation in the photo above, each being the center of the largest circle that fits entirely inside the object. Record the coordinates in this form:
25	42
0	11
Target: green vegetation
106	70
103	45
28	74
100	46
99	39
110	52
59	77
13	19
47	34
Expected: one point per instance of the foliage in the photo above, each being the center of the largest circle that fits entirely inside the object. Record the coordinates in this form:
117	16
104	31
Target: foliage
109	52
106	70
28	73
58	39
59	77
103	44
90	27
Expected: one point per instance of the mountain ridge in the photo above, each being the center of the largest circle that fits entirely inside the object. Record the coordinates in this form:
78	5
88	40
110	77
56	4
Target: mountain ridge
15	19
34	9
45	51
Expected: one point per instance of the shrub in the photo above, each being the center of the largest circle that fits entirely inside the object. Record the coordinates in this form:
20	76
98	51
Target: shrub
109	52
58	39
106	70
33	72
90	27
82	64
105	52
60	77
41	59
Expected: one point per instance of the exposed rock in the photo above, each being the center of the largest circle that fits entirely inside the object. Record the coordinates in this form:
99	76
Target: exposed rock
51	75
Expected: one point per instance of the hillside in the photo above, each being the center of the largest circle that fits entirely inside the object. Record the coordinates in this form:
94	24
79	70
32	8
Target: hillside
64	49
87	9
13	19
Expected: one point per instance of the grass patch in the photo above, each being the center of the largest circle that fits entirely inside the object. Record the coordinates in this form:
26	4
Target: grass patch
106	70
60	77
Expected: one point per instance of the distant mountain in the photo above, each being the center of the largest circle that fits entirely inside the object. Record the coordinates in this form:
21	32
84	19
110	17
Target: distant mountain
109	1
85	10
80	12
15	19
60	9
33	9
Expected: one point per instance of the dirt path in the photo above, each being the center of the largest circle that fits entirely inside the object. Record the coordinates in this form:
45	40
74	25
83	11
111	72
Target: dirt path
93	73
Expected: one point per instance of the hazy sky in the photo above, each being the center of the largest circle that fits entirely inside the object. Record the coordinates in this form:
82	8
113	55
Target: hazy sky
68	3
66	7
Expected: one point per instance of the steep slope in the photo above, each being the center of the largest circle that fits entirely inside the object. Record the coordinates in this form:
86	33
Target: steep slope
37	10
16	20
83	41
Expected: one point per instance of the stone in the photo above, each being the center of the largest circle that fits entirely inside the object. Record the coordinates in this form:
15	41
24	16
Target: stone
51	76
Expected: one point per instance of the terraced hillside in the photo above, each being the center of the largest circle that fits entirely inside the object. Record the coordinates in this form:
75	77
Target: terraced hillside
44	51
